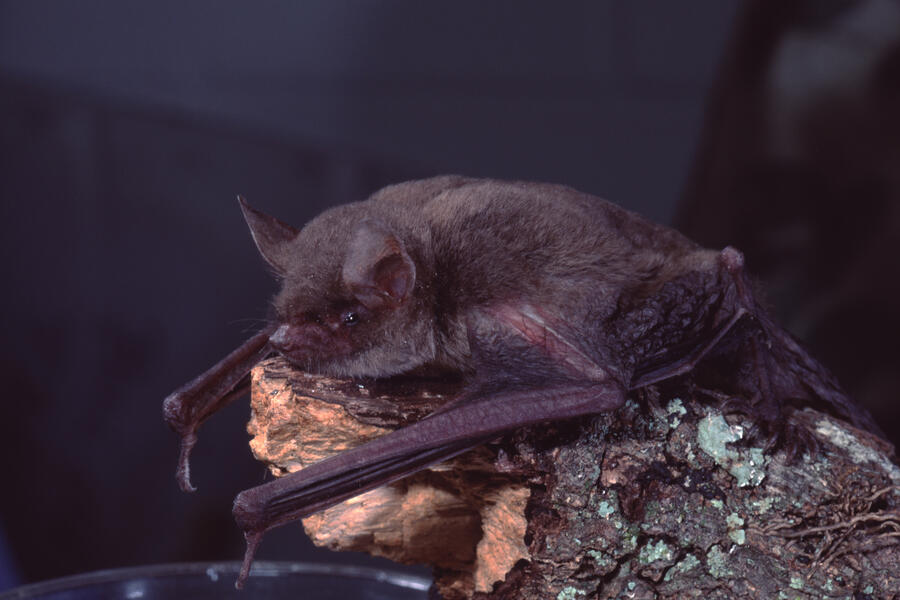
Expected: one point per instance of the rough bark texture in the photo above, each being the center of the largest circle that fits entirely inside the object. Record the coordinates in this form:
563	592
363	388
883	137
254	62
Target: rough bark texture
666	498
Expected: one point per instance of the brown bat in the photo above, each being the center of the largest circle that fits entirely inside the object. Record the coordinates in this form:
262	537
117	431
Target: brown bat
551	303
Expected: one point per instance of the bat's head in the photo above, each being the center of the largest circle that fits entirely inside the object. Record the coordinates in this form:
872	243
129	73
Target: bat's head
353	302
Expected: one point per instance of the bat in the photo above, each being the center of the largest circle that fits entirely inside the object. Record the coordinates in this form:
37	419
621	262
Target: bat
552	304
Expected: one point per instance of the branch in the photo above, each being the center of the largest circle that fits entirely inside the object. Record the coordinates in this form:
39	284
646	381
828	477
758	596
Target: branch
664	497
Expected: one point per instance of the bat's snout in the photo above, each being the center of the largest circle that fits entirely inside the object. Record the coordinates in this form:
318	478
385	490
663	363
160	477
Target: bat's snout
299	343
280	340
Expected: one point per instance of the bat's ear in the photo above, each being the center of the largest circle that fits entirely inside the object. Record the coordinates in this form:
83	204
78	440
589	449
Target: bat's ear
377	268
269	234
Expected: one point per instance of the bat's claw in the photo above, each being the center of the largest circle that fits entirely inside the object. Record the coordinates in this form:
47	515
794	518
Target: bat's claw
731	404
794	439
183	472
253	540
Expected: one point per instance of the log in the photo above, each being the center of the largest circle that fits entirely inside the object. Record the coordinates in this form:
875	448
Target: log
665	498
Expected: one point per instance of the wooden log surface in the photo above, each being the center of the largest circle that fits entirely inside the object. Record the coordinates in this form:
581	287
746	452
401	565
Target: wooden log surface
665	498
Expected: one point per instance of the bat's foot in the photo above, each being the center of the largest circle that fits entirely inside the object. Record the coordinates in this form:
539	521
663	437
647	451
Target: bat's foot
729	404
794	439
772	431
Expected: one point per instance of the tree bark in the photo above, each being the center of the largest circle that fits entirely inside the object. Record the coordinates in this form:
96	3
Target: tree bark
665	498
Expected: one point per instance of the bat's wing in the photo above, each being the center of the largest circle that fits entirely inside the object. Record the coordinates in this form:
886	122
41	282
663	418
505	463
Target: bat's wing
532	374
191	404
772	368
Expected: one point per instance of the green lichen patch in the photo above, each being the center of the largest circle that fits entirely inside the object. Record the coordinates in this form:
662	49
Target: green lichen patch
605	509
675	411
717	563
570	593
654	559
746	465
652	552
762	505
686	564
603	561
734	521
736	533
738	536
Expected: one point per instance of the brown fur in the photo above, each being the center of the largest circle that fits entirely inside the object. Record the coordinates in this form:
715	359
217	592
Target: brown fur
474	243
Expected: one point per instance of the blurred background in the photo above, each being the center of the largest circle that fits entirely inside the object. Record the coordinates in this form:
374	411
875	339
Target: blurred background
127	129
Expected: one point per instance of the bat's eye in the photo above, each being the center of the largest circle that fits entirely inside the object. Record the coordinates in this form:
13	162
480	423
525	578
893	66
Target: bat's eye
350	318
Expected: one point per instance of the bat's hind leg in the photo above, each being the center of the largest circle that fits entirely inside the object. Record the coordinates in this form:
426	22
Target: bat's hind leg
775	374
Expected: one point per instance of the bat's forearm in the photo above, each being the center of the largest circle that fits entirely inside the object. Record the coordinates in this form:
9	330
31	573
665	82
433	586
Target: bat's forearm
467	423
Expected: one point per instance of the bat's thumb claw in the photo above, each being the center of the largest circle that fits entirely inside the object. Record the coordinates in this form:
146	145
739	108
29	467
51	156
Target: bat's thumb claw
183	472
253	540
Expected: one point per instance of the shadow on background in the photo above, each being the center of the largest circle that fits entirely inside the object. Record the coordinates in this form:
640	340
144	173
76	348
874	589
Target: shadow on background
127	130
799	167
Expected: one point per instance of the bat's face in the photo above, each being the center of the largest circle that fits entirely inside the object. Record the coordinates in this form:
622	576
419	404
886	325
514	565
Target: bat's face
318	336
347	305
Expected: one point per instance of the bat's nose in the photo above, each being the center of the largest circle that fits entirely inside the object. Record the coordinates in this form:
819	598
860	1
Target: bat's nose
280	340
296	338
298	343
